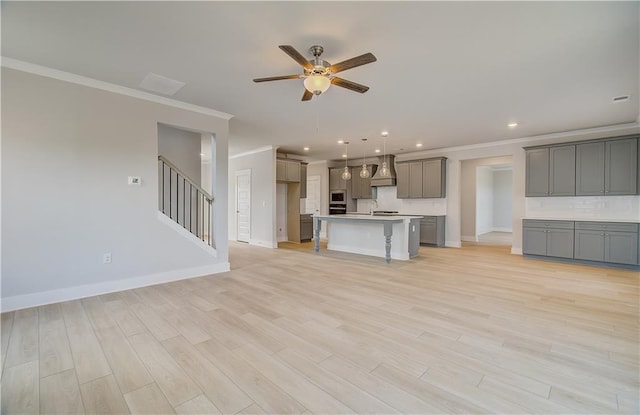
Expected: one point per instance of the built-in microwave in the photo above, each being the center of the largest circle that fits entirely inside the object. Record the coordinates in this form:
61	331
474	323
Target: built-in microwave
338	196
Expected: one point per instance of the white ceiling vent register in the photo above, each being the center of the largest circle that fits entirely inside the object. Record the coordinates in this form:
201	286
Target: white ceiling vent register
160	84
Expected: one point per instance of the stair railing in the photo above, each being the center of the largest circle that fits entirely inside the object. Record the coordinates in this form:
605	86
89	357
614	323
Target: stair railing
184	201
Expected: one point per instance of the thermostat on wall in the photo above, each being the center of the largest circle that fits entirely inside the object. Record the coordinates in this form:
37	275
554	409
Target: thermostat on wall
134	181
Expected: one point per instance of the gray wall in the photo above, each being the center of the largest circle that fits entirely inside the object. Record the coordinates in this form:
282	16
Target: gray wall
502	200
182	148
67	150
263	196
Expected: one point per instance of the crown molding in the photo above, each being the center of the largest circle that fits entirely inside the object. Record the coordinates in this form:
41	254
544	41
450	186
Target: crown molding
106	86
254	151
564	135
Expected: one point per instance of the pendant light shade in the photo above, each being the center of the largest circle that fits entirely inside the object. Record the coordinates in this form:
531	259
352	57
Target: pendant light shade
384	172
346	174
364	173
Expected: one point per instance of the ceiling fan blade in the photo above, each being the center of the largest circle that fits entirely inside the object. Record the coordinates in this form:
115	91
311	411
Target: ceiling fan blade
352	63
349	85
296	56
277	78
307	95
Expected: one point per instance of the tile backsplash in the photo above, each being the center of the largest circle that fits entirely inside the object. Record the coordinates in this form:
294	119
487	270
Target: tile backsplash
584	207
387	200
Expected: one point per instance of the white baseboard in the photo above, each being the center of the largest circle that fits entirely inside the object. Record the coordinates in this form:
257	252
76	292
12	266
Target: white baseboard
467	238
266	244
501	230
516	251
453	244
81	291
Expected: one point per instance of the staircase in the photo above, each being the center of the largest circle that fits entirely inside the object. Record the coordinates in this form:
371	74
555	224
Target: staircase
184	201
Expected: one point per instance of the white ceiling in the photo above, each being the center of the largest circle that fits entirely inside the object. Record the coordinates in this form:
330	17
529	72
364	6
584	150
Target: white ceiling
448	73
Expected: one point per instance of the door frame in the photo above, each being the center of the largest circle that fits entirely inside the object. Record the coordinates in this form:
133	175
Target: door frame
244	172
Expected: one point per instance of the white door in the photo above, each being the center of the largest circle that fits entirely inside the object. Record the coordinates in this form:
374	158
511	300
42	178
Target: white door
243	205
312	202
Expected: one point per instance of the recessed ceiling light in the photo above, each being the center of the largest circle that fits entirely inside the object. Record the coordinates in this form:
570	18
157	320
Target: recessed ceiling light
377	150
512	124
419	145
306	149
384	133
344	156
340	141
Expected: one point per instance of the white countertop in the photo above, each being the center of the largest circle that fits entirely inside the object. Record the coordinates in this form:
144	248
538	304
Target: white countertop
366	217
585	219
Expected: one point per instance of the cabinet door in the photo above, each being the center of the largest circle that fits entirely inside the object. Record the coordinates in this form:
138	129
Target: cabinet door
402	189
621	247
335	180
415	179
433	178
590	169
589	245
293	171
560	243
428	233
621	164
537	172
356	185
534	241
562	171
303	181
281	170
364	185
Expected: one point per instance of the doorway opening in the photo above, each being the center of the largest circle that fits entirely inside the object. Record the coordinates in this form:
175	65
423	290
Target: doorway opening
243	205
487	201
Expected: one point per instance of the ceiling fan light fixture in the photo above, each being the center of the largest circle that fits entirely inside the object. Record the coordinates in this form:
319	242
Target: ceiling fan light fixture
317	84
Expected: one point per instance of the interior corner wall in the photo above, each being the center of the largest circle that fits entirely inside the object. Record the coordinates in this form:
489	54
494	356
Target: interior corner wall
67	150
182	148
263	196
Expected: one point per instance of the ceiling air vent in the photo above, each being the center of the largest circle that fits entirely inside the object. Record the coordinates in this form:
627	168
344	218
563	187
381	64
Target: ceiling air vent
621	98
160	84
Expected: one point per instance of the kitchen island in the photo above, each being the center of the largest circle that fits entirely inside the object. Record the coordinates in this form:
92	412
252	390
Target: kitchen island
396	237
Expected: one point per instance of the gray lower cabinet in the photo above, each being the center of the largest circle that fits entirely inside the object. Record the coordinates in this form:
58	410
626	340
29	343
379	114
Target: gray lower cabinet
432	230
548	238
306	227
607	242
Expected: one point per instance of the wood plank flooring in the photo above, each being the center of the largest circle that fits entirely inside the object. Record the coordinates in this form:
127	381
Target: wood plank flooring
470	330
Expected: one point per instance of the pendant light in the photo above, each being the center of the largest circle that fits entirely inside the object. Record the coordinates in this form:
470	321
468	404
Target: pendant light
364	173
384	172
346	174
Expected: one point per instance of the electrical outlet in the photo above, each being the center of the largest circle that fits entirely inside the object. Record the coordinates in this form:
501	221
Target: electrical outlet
106	258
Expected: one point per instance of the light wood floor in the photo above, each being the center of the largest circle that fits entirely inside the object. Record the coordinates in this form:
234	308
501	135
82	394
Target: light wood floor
471	330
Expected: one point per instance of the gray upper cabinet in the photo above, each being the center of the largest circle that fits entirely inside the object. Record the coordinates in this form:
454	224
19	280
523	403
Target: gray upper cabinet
603	167
361	188
537	172
421	178
607	168
415	179
590	169
303	180
562	171
621	164
288	171
402	179
335	180
434	178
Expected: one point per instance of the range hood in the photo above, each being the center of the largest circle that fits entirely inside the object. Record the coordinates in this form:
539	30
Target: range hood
390	180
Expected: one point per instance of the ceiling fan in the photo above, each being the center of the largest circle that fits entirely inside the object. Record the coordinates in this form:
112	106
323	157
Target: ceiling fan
320	74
